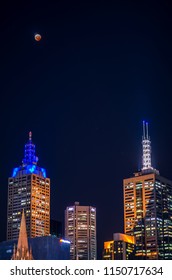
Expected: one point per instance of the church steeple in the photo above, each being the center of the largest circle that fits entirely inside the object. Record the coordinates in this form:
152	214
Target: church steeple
22	240
22	252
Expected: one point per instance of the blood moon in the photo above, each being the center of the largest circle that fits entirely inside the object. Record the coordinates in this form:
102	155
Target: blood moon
37	37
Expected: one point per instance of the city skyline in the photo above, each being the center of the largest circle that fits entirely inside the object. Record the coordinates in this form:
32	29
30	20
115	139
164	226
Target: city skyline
30	160
99	69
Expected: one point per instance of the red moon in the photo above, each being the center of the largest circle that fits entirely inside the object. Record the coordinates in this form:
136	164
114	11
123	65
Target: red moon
37	37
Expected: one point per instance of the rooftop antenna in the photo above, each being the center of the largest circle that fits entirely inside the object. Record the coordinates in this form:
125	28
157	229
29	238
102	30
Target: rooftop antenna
30	136
143	129
29	153
146	148
147	136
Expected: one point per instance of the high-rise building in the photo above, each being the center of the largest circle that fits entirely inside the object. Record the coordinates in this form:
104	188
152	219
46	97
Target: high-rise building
28	189
148	208
80	230
122	247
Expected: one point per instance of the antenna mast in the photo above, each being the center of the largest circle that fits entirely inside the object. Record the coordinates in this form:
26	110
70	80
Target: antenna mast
146	148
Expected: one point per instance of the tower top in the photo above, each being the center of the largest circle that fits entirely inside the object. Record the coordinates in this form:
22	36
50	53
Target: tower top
29	162
76	203
146	151
30	136
146	148
145	131
29	155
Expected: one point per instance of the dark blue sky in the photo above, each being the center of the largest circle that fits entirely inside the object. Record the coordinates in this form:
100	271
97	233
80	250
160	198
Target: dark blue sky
84	89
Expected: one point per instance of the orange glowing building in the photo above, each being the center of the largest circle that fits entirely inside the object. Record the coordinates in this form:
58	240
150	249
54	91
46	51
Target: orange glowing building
28	189
148	208
120	248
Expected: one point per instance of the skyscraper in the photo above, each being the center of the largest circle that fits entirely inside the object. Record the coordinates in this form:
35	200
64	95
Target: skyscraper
148	208
28	189
80	229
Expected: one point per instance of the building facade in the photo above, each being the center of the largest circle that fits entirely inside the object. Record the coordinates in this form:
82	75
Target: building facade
148	208
108	250
80	230
28	189
122	247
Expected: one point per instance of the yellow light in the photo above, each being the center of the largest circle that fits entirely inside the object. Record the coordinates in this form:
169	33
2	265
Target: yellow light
107	244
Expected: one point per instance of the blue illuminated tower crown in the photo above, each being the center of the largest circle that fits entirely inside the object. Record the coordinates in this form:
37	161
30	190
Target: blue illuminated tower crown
29	163
29	154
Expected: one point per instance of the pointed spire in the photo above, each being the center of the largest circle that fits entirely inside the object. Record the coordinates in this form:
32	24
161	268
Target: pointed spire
30	136
22	252
143	129
147	135
146	148
22	241
29	155
29	162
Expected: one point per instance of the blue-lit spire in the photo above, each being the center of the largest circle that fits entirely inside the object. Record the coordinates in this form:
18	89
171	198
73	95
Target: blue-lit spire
29	163
29	155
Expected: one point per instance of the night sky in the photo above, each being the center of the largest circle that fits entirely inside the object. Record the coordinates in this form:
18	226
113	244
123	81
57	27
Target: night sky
101	68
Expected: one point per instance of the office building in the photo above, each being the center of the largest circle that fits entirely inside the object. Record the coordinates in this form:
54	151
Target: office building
80	230
122	247
148	208
28	189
